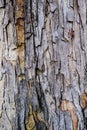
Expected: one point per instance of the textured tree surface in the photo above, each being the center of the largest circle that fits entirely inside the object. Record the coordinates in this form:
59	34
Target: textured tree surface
43	65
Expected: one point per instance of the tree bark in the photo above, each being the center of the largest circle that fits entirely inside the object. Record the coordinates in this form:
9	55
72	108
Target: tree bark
43	65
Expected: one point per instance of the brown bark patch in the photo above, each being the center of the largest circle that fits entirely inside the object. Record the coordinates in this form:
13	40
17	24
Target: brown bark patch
20	32
69	106
84	100
20	10
20	21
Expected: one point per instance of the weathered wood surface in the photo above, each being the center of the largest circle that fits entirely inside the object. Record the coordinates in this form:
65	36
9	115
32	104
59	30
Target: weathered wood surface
43	65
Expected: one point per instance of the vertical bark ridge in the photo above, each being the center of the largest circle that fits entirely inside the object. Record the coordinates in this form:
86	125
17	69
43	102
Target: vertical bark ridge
13	86
55	38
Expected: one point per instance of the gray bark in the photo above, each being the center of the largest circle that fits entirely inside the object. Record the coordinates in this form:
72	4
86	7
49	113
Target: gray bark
43	65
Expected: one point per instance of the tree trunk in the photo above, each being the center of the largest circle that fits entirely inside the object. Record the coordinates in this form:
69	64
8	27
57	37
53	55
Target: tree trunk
43	65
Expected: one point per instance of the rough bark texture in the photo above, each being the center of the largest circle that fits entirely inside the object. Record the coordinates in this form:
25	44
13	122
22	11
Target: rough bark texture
43	64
